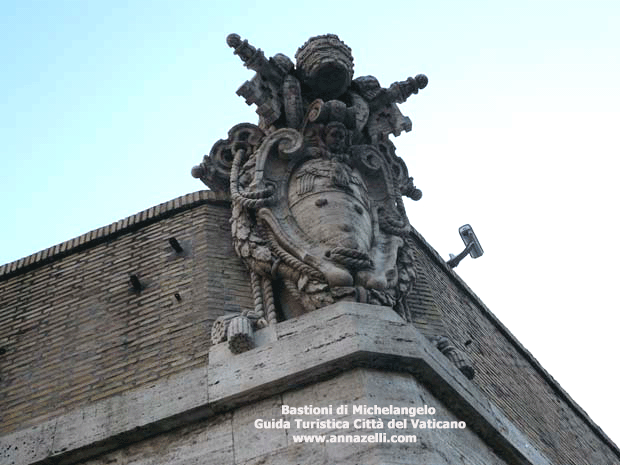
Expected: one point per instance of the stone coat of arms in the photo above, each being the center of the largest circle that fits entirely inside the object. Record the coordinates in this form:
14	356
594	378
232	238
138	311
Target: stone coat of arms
316	186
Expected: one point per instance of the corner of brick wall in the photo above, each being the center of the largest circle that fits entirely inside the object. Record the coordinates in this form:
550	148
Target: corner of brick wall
73	330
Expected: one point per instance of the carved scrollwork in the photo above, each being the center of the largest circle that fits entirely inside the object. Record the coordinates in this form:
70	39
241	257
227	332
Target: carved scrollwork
215	168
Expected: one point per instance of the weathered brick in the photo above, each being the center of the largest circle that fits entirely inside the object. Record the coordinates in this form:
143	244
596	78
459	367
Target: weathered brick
86	297
76	333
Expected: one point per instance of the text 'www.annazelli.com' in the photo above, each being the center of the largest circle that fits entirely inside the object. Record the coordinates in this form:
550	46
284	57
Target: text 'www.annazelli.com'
356	438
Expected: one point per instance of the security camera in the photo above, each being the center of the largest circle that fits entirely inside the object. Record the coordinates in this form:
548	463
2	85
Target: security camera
472	246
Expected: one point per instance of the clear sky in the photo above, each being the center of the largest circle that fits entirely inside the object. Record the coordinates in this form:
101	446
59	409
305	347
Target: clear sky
106	105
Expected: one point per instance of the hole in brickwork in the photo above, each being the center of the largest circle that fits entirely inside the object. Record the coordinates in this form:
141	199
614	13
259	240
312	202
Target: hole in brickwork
136	285
174	243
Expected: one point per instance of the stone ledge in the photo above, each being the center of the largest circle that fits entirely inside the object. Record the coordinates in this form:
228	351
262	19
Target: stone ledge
306	350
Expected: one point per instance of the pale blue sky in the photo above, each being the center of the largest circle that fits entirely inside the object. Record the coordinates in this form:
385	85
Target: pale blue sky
106	106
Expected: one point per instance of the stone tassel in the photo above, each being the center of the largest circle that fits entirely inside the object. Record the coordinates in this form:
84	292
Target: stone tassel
240	335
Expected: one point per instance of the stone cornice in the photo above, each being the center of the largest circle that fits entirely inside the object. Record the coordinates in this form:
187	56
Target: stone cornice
306	350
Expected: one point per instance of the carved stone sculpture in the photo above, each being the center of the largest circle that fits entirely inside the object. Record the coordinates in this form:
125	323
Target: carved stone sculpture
316	186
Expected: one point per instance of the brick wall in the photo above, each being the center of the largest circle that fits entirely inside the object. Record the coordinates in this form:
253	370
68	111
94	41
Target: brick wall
505	371
74	331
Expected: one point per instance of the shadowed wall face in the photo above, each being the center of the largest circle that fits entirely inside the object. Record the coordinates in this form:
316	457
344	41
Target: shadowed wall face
75	331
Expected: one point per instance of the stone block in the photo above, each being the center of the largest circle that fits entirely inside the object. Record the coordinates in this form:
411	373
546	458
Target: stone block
28	446
250	441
